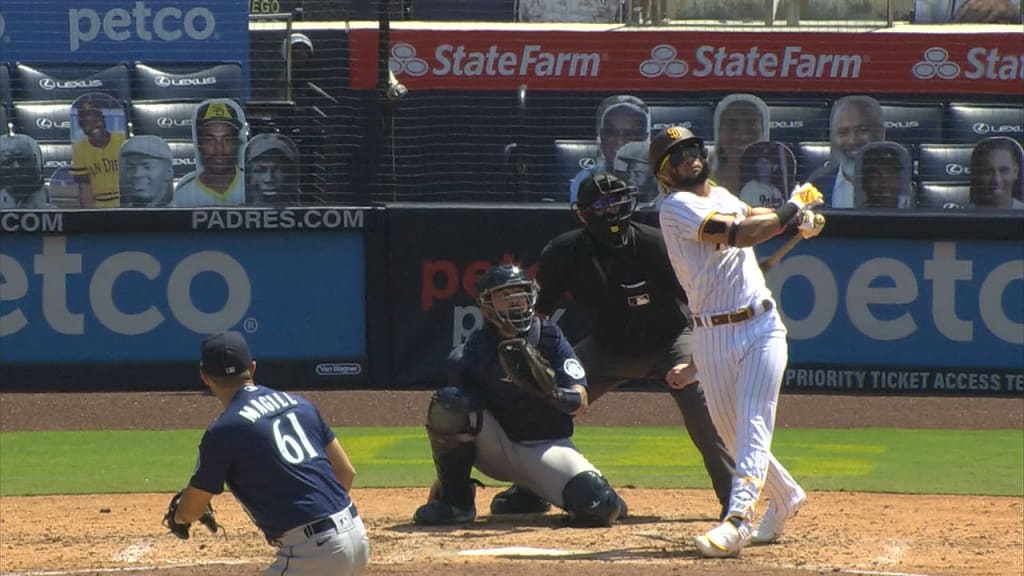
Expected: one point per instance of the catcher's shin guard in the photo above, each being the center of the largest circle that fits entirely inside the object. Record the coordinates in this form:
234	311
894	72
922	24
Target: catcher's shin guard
451	429
591	501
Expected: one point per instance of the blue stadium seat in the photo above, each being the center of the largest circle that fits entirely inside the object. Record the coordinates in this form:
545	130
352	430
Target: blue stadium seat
939	195
810	156
570	157
794	122
913	124
699	118
950	163
44	122
187	82
969	123
168	120
65	82
456	10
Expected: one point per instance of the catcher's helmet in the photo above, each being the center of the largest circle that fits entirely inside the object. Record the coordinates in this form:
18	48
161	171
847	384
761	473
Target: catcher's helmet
506	296
664	141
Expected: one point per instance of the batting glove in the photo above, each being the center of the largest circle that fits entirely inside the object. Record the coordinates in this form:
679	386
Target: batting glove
811	224
806	196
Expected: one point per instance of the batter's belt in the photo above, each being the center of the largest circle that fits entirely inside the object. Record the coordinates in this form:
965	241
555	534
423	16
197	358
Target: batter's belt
734	317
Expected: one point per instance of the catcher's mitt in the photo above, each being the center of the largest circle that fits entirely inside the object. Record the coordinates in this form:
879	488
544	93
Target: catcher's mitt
182	530
527	369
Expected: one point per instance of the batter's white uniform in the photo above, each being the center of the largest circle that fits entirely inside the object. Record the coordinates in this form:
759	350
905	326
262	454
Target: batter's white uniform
742	364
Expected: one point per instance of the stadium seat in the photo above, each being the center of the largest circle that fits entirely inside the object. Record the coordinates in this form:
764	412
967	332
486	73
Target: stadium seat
55	156
456	10
5	119
168	120
187	82
810	156
969	123
571	156
5	83
949	163
65	82
913	124
799	122
939	195
44	122
699	118
184	154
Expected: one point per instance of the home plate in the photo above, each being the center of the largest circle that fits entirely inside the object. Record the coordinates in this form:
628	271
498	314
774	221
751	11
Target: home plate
521	551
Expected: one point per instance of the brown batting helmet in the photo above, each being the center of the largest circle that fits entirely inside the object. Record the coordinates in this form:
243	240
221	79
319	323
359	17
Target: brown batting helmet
664	141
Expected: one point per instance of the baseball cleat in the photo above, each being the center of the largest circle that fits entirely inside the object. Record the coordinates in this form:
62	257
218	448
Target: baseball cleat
724	541
441	513
769	529
518	500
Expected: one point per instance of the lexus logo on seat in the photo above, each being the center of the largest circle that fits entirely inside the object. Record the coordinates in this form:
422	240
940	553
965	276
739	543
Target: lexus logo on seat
48	124
47	83
162	81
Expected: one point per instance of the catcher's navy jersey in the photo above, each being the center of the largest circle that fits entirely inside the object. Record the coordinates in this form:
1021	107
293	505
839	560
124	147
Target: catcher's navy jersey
475	367
269	448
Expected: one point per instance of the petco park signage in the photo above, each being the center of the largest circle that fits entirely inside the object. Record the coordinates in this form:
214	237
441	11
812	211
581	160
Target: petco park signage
124	30
632	60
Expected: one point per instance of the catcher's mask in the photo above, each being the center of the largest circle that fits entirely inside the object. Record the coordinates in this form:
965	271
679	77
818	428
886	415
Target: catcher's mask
605	205
506	296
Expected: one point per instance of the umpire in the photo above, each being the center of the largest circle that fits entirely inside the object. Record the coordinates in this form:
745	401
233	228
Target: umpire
619	272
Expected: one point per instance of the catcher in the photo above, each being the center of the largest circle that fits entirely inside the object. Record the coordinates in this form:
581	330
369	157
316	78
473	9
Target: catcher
513	390
283	464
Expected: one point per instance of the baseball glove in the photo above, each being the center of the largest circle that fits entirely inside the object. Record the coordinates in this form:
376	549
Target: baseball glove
527	369
182	530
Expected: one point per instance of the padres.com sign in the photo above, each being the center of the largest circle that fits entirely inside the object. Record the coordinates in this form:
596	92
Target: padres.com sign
124	30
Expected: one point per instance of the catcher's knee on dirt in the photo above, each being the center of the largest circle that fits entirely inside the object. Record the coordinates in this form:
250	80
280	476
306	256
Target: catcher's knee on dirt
453	422
591	501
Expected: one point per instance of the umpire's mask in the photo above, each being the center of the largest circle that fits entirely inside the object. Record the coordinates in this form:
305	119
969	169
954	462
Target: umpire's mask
605	205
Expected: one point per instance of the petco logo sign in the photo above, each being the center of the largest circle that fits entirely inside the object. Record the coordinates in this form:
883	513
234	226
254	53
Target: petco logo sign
51	84
530	61
140	22
55	265
721	62
981	64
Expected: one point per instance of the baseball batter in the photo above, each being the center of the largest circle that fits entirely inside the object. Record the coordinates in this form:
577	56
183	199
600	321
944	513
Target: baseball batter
739	338
284	465
513	389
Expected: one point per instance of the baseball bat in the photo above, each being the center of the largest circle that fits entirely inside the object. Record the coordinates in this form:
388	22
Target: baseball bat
769	262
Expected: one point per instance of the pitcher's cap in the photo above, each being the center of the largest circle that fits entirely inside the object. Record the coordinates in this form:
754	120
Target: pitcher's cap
225	354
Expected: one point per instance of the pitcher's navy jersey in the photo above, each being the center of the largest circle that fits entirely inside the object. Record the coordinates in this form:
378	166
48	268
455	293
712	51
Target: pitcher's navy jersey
269	448
475	367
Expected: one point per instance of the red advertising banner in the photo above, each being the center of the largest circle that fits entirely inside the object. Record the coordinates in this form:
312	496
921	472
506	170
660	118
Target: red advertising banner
640	60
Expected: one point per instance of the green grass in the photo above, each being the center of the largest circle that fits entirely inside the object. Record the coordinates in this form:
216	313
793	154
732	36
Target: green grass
863	459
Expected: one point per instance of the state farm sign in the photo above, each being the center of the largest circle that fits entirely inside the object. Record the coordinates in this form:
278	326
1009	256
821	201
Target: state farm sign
643	60
754	62
525	61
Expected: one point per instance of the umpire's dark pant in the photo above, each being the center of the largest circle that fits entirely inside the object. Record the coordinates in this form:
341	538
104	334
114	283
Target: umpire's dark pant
607	370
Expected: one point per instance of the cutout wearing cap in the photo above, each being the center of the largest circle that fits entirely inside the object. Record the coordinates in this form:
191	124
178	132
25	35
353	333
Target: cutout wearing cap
225	354
219	111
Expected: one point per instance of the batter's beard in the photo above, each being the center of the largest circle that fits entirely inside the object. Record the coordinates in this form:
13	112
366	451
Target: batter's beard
698	180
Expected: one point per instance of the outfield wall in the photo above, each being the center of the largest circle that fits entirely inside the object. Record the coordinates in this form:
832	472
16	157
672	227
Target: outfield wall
375	296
